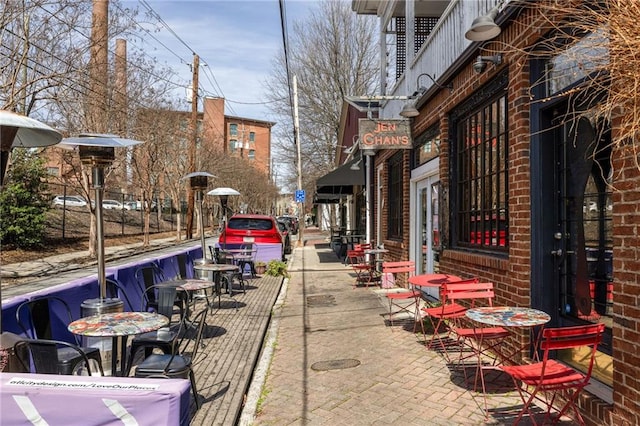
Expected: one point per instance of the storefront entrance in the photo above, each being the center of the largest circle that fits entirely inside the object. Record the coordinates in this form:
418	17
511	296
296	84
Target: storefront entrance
425	219
575	236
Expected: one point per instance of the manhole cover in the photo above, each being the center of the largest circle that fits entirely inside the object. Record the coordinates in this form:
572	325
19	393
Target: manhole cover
336	364
321	300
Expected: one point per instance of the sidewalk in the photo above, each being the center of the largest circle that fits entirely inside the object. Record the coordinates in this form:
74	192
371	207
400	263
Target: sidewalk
331	359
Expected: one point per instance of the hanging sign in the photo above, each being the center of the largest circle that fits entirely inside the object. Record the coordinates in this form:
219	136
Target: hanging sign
385	134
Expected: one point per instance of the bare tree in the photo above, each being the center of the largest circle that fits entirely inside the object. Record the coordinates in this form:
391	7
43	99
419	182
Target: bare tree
343	61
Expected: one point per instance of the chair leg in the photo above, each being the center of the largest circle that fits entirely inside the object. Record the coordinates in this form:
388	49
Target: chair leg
192	378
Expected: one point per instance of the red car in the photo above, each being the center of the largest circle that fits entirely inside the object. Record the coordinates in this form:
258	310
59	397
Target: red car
252	228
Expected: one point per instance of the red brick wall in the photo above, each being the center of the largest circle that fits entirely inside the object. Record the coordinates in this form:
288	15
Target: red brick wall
626	264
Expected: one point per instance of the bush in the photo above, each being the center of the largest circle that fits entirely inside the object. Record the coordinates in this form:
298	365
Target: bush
276	268
22	201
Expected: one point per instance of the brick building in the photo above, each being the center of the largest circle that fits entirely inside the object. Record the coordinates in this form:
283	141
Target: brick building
511	179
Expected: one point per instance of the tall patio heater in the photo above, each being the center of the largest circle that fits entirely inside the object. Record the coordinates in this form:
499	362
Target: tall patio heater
198	182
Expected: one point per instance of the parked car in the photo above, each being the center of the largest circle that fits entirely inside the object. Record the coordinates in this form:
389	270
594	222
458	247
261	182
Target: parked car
69	201
112	205
252	228
285	230
292	221
131	205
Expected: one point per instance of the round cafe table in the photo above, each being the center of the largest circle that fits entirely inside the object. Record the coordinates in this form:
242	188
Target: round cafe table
118	324
433	280
190	285
217	268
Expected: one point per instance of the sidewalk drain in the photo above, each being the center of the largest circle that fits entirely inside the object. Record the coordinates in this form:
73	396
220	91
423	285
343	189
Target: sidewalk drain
336	364
321	300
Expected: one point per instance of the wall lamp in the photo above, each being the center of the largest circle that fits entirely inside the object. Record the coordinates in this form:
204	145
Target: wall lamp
484	27
409	110
481	62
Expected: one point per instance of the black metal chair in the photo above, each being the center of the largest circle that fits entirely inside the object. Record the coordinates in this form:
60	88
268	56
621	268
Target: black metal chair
55	357
165	338
116	291
178	363
228	277
35	318
149	275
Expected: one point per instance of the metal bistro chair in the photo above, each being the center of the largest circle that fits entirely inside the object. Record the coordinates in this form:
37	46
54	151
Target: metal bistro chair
148	276
230	276
116	291
164	338
48	357
552	377
178	363
35	318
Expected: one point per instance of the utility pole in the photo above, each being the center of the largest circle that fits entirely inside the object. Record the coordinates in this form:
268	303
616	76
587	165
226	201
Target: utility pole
193	143
296	138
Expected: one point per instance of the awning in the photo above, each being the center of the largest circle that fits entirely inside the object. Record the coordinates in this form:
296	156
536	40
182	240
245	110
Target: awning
326	198
341	180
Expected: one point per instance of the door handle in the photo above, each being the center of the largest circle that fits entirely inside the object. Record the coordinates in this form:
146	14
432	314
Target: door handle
557	253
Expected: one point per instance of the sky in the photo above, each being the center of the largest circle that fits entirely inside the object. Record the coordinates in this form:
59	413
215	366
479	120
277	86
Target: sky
236	41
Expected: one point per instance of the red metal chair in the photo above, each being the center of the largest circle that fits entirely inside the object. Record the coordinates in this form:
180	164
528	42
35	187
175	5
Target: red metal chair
443	315
404	301
365	271
554	377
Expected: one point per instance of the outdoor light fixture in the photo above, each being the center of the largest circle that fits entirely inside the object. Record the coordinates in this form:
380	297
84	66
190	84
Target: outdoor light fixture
484	27
198	182
409	110
356	165
223	193
481	62
98	151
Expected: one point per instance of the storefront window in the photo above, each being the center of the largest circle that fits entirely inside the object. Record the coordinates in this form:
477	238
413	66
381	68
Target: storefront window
482	176
396	197
427	146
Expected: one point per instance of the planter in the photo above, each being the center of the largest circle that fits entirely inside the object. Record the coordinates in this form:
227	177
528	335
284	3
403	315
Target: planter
261	269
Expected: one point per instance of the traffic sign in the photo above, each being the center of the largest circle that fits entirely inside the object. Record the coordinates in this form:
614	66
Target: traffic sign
300	196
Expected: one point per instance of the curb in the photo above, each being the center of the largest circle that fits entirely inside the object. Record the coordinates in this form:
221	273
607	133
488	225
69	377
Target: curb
250	407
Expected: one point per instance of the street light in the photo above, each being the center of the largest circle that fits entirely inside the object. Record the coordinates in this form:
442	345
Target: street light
198	183
98	151
223	193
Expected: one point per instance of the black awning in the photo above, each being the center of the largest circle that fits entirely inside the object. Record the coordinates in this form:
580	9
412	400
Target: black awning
326	198
341	180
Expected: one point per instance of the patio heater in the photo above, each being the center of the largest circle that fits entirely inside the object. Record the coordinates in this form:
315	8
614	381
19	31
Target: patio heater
198	183
98	151
223	193
19	131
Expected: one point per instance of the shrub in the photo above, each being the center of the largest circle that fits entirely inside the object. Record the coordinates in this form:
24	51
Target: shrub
22	201
276	268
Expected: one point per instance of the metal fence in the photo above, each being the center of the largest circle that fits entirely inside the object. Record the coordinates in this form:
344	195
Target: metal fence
123	219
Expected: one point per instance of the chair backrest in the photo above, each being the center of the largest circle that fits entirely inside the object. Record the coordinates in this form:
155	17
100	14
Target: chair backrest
225	257
573	337
147	276
184	271
35	317
249	249
408	266
162	298
361	247
42	354
354	256
117	291
472	292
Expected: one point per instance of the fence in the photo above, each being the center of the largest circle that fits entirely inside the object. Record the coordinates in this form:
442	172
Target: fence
123	219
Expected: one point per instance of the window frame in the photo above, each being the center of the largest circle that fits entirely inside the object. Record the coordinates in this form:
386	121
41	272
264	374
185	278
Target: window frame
395	180
480	173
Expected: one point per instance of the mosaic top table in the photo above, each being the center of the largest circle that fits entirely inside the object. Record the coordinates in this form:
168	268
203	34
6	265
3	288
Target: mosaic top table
118	324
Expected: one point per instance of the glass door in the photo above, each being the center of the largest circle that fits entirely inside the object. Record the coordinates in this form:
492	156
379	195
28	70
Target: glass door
427	227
